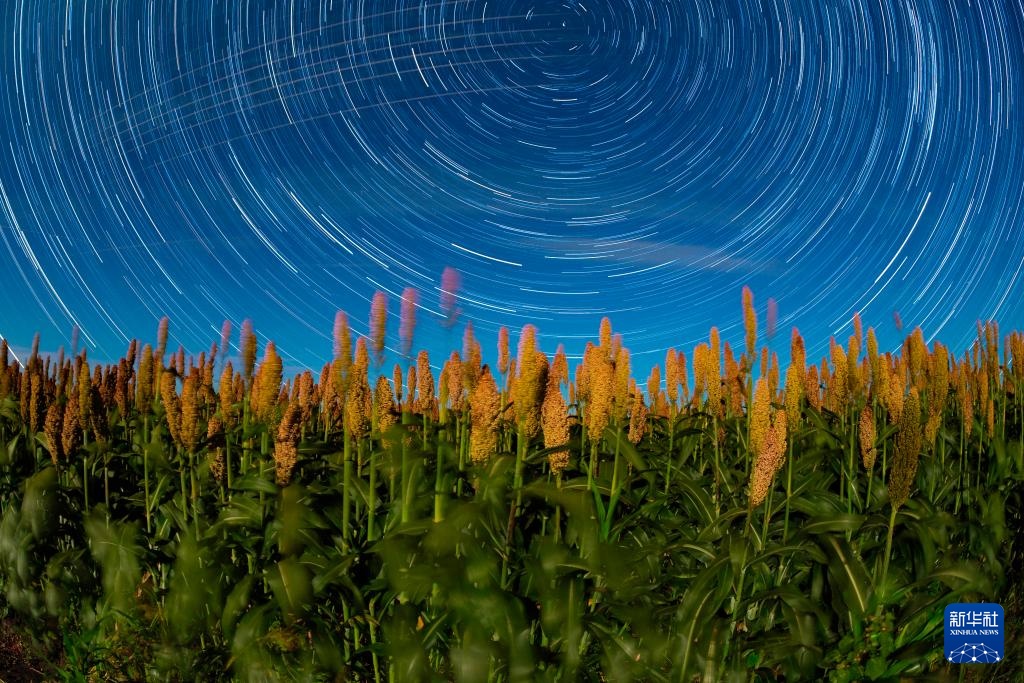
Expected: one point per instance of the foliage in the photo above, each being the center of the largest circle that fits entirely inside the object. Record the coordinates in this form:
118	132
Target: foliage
182	535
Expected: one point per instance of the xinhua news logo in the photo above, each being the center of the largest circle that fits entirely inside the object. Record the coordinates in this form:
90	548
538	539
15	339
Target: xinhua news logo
974	633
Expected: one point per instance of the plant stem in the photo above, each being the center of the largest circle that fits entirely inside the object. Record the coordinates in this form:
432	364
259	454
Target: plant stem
888	553
371	504
439	483
346	488
789	490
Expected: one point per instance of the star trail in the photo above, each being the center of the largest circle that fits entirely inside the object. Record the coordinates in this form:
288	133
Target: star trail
640	159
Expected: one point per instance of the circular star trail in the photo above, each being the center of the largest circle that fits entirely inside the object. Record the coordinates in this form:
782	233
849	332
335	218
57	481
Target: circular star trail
641	159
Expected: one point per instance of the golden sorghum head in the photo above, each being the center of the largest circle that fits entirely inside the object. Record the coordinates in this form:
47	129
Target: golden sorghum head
6	382
858	328
172	404
616	346
121	387
247	343
503	352
938	375
407	319
637	419
71	431
1015	348
227	395
605	336
384	405
286	451
225	339
653	383
794	394
452	378
583	372
144	383
84	394
734	384
682	376
426	404
983	390
760	416
361	364
358	406
410	388
853	367
937	390
749	321
179	361
773	374
825	374
915	351
215	430
342	354
797	351
473	355
620	391
894	397
305	395
560	366
600	384
874	360
33	359
161	338
838	389
129	355
215	456
908	450
700	371
190	412
379	325
52	429
555	418
396	377
714	374
528	390
672	376
37	401
768	461
267	385
482	445
485	409
867	437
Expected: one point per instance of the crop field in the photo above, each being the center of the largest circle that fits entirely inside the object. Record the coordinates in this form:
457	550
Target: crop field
496	517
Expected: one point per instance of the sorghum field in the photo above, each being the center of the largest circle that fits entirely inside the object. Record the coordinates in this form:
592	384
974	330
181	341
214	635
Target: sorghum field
731	517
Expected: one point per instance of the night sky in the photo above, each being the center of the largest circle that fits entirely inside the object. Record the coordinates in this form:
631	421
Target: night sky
641	159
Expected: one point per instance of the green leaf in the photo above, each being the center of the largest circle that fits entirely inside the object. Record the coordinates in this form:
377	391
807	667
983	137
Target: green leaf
701	600
848	574
236	604
38	509
292	584
254	482
115	547
842	522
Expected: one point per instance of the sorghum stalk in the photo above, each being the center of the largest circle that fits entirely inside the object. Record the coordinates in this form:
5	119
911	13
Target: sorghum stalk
346	486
